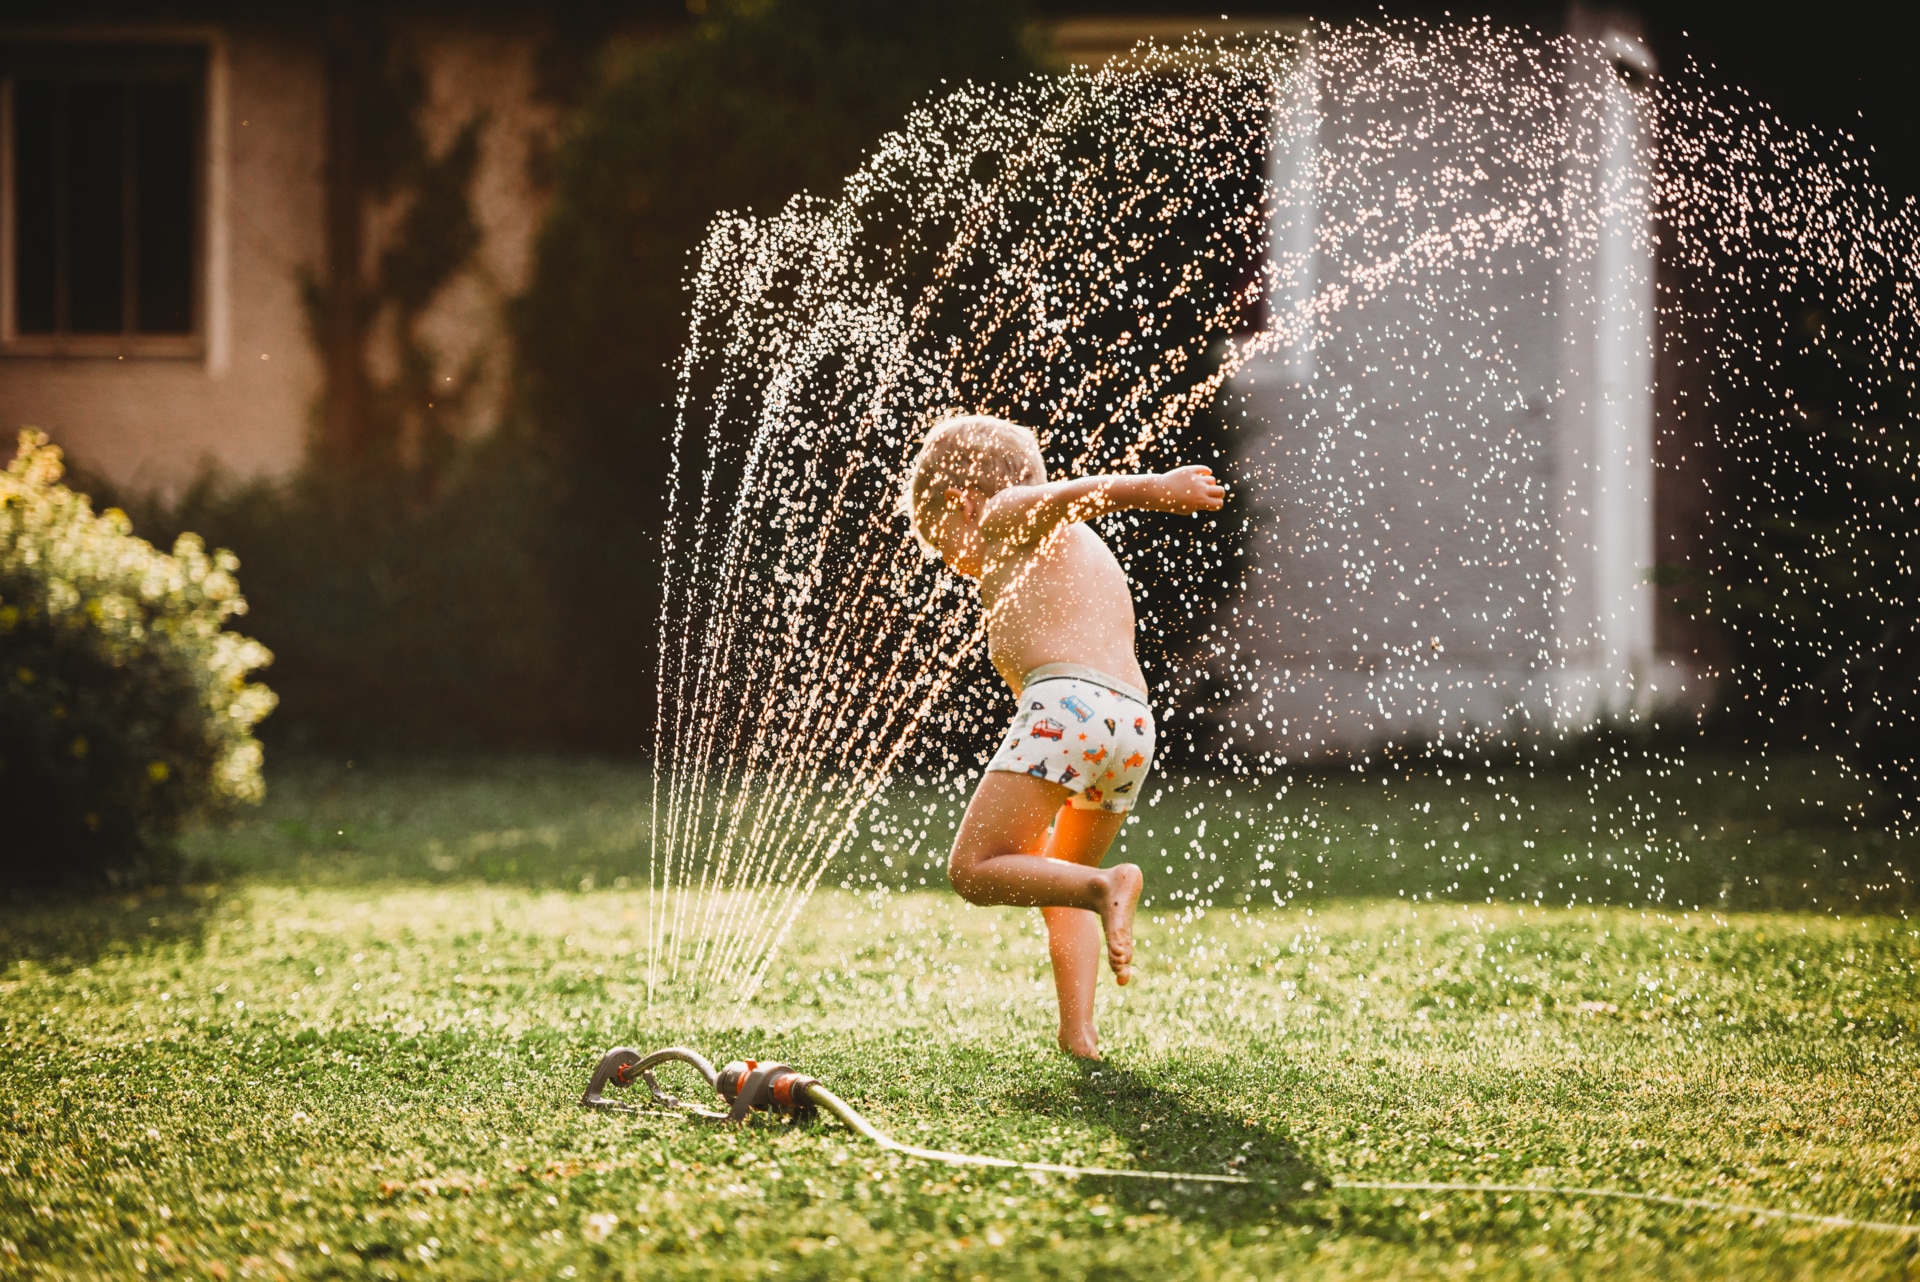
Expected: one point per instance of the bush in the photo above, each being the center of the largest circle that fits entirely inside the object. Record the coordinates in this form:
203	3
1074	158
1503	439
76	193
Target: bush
124	701
405	609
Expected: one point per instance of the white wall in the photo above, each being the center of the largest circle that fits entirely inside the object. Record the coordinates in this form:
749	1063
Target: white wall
1453	485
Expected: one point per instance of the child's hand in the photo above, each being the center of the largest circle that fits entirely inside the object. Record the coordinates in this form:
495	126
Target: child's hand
1191	489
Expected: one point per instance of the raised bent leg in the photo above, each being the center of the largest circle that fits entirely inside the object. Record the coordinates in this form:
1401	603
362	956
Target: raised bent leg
995	859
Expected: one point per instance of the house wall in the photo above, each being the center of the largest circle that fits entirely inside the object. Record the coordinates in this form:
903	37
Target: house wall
1453	486
248	399
484	73
149	421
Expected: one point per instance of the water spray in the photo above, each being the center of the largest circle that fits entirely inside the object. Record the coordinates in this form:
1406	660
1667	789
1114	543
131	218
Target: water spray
767	1086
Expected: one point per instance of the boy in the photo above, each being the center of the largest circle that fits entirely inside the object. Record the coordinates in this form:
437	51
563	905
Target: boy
1060	630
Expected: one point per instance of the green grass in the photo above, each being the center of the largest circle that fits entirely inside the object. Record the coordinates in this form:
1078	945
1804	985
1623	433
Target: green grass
1625	825
356	1055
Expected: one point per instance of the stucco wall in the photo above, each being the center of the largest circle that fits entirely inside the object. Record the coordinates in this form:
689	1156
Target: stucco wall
150	422
248	402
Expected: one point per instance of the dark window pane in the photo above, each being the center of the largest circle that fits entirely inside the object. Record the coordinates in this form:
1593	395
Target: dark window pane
35	206
96	123
163	143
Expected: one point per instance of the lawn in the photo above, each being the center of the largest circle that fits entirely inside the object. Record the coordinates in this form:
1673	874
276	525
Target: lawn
354	1049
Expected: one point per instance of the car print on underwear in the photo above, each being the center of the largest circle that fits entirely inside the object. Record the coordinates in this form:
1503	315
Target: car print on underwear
1077	706
1047	728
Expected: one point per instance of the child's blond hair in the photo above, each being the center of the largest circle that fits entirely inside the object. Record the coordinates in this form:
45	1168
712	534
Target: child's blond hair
969	452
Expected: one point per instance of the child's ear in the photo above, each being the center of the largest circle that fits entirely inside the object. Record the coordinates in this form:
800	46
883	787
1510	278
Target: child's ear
966	500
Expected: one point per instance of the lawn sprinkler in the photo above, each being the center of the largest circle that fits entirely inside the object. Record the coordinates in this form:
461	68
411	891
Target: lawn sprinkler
750	1086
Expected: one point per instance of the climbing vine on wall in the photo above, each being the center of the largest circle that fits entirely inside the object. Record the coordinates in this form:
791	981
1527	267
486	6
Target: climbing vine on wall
389	406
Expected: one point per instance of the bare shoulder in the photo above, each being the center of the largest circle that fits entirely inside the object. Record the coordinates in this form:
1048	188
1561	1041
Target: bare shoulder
1006	518
1010	499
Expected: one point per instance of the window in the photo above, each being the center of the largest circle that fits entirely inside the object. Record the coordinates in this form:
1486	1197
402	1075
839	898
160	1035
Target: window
103	197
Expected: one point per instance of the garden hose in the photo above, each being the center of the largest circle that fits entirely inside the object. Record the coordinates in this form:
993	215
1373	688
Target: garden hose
751	1086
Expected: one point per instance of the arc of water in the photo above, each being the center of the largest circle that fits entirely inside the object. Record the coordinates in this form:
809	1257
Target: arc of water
794	855
816	872
714	660
691	781
801	774
712	265
732	555
767	857
801	586
795	730
797	896
707	668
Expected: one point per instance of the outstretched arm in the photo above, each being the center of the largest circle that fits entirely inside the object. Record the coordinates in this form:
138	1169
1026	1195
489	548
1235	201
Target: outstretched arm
1027	513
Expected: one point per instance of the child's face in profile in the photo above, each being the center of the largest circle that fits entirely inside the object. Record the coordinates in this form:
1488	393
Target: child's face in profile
954	531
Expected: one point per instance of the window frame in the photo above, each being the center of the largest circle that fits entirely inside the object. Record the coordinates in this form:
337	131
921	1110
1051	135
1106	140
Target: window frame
169	59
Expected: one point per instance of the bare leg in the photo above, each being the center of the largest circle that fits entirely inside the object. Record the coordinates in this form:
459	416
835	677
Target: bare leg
1073	934
992	861
1073	940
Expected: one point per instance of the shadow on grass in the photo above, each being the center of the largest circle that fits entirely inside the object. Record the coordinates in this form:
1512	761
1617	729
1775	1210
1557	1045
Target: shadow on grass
1163	1130
67	929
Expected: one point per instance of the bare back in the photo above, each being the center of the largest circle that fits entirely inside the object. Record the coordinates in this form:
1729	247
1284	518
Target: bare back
1064	599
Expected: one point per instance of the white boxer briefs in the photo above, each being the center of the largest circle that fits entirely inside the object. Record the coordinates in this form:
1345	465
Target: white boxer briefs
1084	730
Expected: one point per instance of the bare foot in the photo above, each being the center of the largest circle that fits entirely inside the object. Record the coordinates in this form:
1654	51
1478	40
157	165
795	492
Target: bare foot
1080	1045
1116	918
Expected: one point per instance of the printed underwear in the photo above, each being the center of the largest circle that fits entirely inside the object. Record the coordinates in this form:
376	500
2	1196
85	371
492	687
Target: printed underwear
1080	728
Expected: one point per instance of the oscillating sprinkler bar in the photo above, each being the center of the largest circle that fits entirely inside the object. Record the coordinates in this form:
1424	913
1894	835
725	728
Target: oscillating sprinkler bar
755	1086
748	1086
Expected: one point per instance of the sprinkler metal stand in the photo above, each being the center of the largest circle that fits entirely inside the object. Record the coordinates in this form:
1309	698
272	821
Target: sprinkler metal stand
622	1065
748	1086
